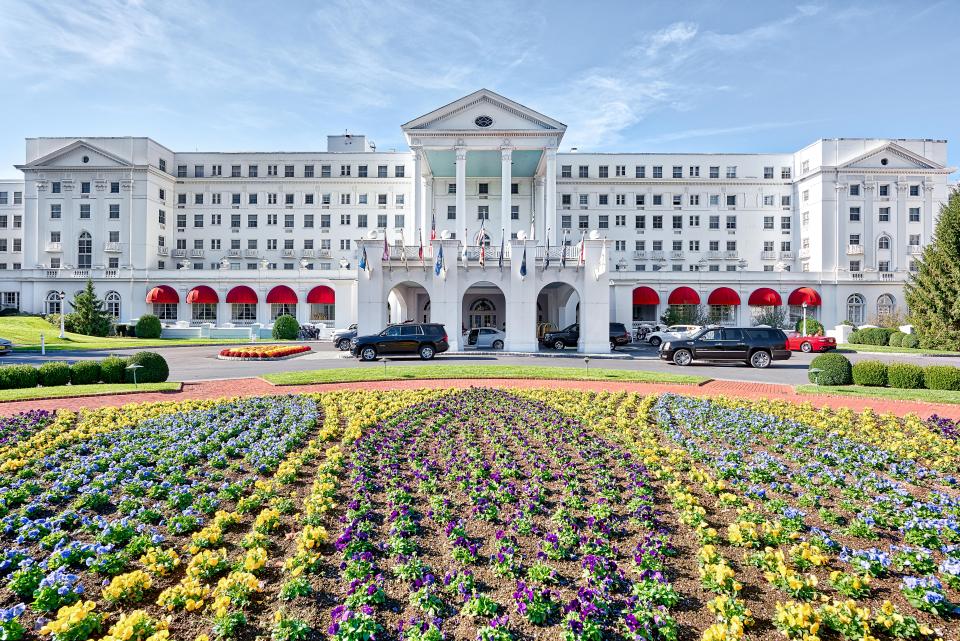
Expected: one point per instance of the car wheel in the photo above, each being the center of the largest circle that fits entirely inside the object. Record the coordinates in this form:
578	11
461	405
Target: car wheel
613	346
343	344
760	359
806	347
655	341
368	354
682	357
427	352
497	344
558	344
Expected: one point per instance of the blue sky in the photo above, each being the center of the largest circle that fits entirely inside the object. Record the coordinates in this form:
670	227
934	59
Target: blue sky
628	76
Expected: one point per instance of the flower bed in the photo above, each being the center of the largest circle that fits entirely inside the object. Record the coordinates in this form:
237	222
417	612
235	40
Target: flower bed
262	352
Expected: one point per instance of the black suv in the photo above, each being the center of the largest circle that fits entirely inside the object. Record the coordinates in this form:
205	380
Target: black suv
570	335
425	339
756	346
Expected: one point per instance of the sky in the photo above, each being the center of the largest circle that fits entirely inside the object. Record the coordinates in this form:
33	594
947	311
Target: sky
633	76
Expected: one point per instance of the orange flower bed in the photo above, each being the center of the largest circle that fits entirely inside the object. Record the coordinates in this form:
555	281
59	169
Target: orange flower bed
260	352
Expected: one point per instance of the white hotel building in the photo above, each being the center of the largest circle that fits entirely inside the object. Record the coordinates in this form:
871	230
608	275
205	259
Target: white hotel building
221	243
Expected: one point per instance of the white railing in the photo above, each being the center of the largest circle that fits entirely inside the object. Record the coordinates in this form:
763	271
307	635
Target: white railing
111	273
250	253
163	251
732	255
233	253
81	273
289	253
656	255
768	255
914	249
714	255
111	248
179	253
854	250
54	247
307	253
786	255
676	255
196	253
886	275
53	273
856	275
639	255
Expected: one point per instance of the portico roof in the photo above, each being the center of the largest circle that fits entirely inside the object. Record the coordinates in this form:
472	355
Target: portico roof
483	164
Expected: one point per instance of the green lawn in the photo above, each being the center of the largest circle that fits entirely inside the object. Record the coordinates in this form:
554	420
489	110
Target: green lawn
399	372
925	395
64	391
888	349
25	331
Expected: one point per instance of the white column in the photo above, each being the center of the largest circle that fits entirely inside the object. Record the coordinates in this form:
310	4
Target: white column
539	209
550	203
506	180
417	193
461	153
866	215
927	215
428	212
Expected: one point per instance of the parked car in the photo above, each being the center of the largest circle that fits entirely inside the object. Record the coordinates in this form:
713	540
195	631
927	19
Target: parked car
341	337
424	339
674	331
486	338
755	346
798	343
569	336
5	346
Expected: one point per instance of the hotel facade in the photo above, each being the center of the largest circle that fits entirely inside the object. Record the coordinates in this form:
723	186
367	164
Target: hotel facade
482	222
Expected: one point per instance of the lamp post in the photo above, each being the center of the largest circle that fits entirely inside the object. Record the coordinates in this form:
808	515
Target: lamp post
816	374
63	296
804	318
133	368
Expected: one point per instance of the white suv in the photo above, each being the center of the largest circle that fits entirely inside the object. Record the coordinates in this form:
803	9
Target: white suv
674	331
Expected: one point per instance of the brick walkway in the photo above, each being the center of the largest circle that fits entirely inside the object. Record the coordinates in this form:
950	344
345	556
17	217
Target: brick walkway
256	386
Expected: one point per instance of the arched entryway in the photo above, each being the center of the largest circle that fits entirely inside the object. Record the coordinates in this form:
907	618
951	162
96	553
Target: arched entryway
408	302
484	305
558	305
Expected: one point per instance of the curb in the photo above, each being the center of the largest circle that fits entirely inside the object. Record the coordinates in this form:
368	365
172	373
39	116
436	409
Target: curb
119	393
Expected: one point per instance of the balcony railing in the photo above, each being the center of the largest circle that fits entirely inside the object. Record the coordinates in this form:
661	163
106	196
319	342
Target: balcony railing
250	253
787	256
914	249
289	253
639	255
112	248
179	253
804	252
81	273
731	255
163	251
676	255
854	250
233	253
768	255
196	253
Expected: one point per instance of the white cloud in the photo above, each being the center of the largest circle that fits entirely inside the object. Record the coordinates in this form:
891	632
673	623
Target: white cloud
708	132
677	33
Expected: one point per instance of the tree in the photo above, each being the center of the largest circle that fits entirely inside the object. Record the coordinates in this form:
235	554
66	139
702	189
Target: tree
933	291
684	315
89	316
770	315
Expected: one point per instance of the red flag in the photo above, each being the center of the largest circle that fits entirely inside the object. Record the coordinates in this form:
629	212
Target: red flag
433	226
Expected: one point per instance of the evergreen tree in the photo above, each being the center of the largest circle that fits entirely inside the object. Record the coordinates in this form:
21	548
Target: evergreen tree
89	316
933	292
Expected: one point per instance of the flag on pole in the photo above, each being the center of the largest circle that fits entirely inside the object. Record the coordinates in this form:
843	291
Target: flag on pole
602	263
502	247
563	250
582	252
546	259
481	243
403	251
364	263
523	263
386	248
439	265
433	227
420	251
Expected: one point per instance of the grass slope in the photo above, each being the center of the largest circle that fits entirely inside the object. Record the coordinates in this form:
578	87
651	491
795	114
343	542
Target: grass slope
66	391
436	371
887	349
923	395
25	331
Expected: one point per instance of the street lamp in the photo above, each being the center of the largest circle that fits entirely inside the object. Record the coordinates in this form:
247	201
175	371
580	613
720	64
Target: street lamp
804	318
63	296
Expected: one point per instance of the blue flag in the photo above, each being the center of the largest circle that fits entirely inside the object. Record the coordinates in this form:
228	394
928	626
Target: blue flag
523	264
363	259
438	266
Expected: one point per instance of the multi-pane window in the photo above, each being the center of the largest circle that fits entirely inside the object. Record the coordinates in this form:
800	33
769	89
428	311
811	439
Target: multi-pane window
621	171
584	171
731	222
198	220
514	213
252	171
714	222
451	212
603	199
784	201
55	211
235	171
694	199
677	171
640	199
914	214
694	171
884	190
344	170
603	222
658	222
583	222
884	214
566	171
604	171
657	200
693	221
678	222
768	222
786	173
657	171
854	214
677	200
731	200
732	171
399	171
768	172
714	172
854	190
640	171
288	221
785	223
85	211
621	199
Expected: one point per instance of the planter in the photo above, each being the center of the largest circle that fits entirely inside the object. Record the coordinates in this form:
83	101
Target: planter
262	352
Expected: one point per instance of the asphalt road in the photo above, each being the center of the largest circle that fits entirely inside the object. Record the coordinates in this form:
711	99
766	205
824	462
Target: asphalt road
200	362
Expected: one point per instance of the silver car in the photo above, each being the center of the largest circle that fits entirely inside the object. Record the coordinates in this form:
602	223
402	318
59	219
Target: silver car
5	346
486	338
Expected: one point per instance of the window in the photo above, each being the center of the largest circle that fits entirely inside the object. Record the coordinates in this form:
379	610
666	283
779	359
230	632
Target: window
768	222
55	211
344	244
884	190
677	172
693	221
604	171
731	201
514	213
584	171
714	222
84	211
855	307
215	243
714	200
694	245
640	222
914	190
657	222
694	171
677	200
603	199
640	199
251	199
883	242
603	222
854	265
785	245
324	218
214	199
621	171
566	171
288	171
768	201
216	219
252	171
583	222
640	171
657	200
288	221
399	171
344	199
678	222
731	222
85	251
451	212
694	199
251	220
235	221
620	220
382	221
584	199
854	239
483	212
786	173
399	221
768	172
854	214
886	306
621	199
344	170
181	221
914	214
288	199
805	196
715	172
216	170
884	214
732	171
854	190
914	240
657	171
785	222
483	188
84	188
362	221
565	221
883	266
784	201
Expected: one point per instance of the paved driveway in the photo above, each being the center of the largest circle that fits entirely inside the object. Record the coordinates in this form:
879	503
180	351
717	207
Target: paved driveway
200	362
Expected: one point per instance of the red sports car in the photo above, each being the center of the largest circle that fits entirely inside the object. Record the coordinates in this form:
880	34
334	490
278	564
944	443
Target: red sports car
811	343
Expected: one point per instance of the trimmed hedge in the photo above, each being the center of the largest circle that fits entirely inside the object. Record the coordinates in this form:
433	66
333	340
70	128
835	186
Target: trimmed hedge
113	369
854	337
814	327
149	327
18	377
285	328
942	377
905	376
53	374
154	368
870	373
910	341
896	339
836	370
85	373
875	335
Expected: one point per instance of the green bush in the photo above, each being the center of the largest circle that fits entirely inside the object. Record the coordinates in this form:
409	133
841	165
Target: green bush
814	327
942	377
85	373
113	369
870	373
896	339
835	368
18	377
876	335
286	328
149	327
53	374
905	376
910	341
854	337
154	370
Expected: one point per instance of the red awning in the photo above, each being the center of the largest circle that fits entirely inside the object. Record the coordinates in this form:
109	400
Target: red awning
283	295
242	294
765	297
804	295
321	295
723	296
684	296
202	294
645	296
163	294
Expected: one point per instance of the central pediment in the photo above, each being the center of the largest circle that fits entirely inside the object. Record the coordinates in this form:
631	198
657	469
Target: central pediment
484	111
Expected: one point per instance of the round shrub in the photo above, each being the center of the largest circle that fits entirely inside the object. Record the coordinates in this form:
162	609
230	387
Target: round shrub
835	368
18	377
113	369
85	373
154	370
905	376
285	328
53	373
942	377
854	338
876	335
149	327
870	373
910	341
814	327
896	339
